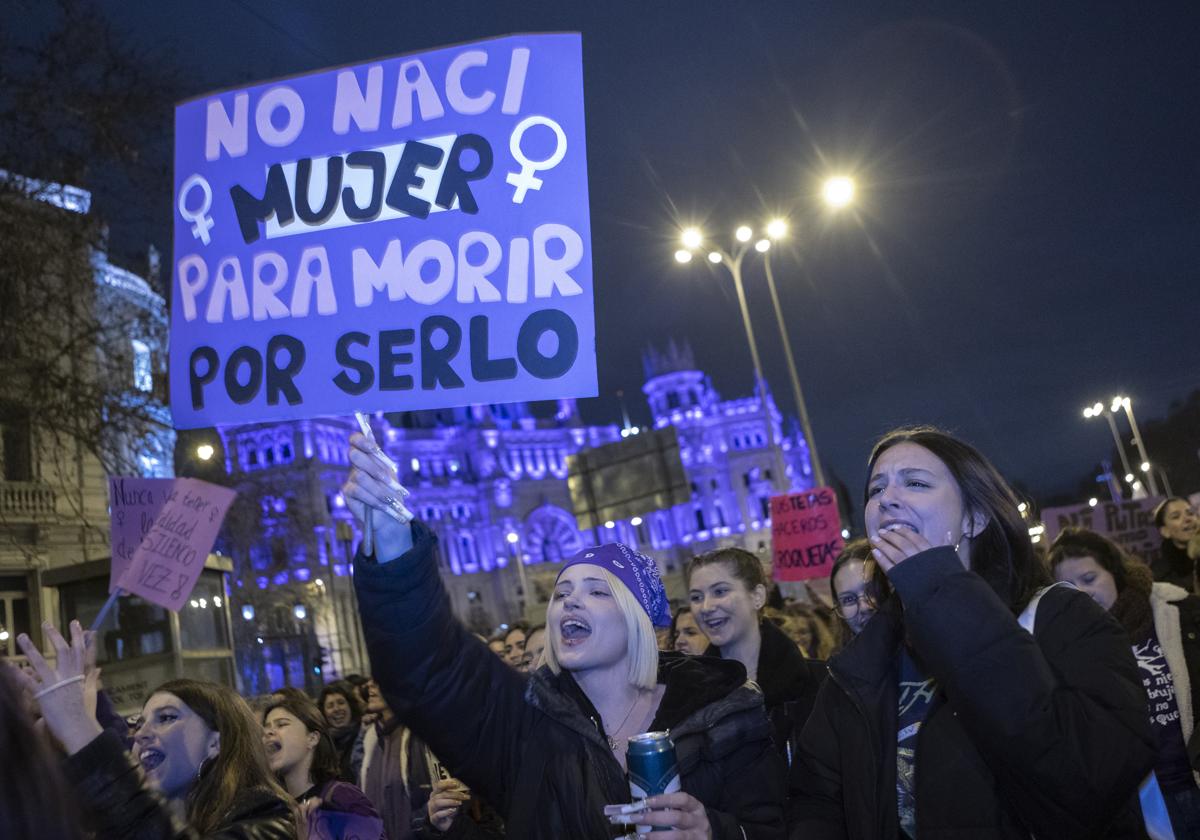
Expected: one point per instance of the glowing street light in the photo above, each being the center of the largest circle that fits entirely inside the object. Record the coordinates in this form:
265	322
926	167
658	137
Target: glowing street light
1093	501
692	237
1097	410
512	537
714	257
838	191
1127	404
636	521
683	255
205	451
777	229
743	234
762	245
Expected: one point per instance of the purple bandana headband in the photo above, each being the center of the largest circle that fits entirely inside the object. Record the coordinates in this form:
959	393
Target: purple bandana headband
637	571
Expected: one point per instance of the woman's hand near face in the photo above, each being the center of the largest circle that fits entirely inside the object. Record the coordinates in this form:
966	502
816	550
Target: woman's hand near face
891	548
66	691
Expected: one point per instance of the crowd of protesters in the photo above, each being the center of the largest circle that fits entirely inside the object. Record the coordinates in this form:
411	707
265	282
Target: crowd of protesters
962	685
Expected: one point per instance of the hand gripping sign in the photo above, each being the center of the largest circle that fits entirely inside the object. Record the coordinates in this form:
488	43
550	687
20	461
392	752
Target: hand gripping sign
403	234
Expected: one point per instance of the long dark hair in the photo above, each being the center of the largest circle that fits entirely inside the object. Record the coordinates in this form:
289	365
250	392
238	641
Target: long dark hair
241	763
326	766
1002	553
35	799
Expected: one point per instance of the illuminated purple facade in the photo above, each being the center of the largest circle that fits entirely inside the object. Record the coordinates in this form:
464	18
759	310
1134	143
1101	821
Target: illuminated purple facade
491	481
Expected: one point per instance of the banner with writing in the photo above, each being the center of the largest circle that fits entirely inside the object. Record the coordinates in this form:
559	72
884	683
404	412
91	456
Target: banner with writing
407	233
135	503
167	562
1129	523
806	534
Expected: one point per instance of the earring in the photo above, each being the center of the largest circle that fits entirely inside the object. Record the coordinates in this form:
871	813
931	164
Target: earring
205	766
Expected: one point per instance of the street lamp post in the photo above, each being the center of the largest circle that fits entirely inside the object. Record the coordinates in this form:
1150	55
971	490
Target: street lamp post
1127	404
837	192
513	538
693	239
801	406
1097	410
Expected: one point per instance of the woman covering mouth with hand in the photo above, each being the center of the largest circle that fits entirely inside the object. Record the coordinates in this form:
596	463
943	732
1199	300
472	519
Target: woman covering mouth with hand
977	702
199	746
548	749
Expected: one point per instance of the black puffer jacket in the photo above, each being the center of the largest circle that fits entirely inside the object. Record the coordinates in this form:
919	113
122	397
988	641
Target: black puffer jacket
789	682
532	746
1042	735
119	805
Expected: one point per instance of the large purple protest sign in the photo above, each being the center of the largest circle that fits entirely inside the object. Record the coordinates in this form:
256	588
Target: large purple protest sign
134	503
403	234
167	562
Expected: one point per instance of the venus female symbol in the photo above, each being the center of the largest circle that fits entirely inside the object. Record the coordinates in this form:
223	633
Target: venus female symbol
525	180
201	222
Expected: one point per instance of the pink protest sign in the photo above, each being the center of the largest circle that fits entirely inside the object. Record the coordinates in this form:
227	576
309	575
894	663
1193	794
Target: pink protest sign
135	503
168	561
806	534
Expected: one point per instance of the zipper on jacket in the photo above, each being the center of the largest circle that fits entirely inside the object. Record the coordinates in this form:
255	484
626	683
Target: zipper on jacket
875	750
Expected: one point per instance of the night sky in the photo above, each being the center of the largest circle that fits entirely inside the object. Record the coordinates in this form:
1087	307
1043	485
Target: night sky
1026	241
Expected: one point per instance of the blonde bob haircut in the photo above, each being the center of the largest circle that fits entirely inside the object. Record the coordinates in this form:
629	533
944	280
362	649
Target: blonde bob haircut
641	647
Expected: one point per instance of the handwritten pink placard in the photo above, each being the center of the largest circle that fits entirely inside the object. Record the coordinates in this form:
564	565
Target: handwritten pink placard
134	503
167	562
806	534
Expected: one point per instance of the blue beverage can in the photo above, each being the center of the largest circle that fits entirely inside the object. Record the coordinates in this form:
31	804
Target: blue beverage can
653	768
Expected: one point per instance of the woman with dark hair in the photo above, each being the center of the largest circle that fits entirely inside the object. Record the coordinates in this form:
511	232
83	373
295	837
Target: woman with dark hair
303	758
204	770
549	749
35	799
686	635
1178	524
977	702
1163	624
855	597
727	589
343	714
